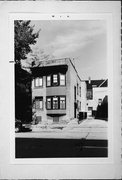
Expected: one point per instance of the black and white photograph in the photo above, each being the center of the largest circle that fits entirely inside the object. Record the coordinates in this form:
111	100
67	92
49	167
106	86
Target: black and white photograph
61	88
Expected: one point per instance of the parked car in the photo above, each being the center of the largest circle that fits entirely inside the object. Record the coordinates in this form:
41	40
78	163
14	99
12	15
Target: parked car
20	127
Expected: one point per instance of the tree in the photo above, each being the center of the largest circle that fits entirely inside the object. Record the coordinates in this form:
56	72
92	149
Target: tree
35	57
24	37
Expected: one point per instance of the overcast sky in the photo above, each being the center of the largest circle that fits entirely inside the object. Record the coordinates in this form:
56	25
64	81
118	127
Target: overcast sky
83	40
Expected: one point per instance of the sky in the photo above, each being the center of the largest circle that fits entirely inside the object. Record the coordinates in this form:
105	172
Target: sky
84	41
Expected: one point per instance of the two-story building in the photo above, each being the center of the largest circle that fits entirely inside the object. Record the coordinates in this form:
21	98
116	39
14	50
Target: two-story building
56	90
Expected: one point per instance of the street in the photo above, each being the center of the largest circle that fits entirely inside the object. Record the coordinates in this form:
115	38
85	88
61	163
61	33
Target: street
84	140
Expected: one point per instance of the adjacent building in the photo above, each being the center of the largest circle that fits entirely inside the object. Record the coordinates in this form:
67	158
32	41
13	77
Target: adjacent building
96	91
56	91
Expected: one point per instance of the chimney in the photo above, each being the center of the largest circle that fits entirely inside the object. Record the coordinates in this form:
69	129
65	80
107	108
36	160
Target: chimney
89	80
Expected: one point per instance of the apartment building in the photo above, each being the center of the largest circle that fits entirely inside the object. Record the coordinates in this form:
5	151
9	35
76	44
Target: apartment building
56	90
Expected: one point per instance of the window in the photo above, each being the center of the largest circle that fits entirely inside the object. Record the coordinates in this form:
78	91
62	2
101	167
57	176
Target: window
77	104
80	105
77	88
39	82
55	79
89	94
39	103
55	102
48	80
80	91
62	79
62	103
48	103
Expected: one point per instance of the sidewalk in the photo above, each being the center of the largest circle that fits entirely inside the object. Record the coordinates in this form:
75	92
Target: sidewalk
88	129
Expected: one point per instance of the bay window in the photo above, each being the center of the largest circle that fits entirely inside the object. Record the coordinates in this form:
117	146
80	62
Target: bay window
62	79
48	80
48	103
55	102
62	103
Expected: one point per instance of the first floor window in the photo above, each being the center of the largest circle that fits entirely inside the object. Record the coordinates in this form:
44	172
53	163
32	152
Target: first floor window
39	103
48	103
80	105
62	103
55	102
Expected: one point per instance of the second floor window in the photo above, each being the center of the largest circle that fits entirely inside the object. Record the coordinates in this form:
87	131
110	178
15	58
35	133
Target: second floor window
62	79
38	82
89	94
48	80
55	79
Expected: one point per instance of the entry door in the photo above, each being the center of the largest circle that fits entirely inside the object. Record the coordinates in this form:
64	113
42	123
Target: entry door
56	119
